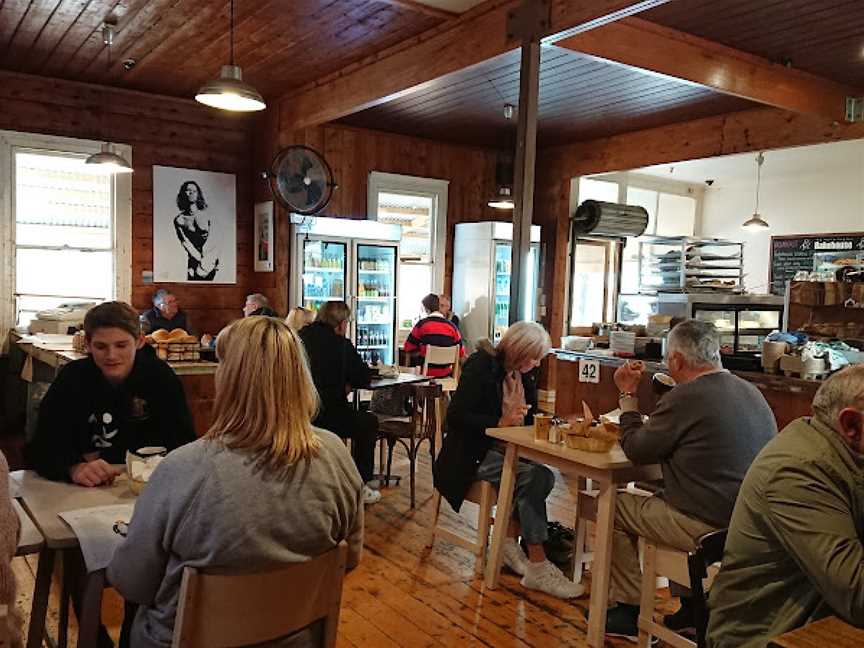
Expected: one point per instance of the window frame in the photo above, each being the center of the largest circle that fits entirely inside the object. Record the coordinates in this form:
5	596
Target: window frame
12	142
380	182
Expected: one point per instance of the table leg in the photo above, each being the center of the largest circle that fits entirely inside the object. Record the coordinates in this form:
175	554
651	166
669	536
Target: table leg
91	609
502	515
41	590
63	623
601	565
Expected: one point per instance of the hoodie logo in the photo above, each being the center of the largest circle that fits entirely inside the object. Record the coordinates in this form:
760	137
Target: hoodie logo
103	433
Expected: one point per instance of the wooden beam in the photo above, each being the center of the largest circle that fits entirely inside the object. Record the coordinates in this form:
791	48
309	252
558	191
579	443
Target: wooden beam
423	8
641	44
476	36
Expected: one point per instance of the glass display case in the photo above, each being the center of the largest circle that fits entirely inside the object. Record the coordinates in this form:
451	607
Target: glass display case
742	327
376	312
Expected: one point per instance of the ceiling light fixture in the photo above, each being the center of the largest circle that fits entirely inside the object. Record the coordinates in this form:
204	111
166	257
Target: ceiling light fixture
108	160
229	92
756	222
504	199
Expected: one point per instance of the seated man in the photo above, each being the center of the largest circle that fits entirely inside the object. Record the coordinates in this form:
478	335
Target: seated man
446	309
165	314
794	552
434	329
257	304
337	369
704	433
121	397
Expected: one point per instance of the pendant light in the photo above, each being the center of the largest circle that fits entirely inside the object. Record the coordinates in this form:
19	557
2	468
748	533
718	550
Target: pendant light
504	174
229	92
108	160
756	222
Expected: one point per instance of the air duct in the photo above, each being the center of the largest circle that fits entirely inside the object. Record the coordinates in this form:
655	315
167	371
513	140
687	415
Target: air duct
598	218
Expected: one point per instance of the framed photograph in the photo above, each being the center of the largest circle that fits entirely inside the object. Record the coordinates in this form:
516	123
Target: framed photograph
264	236
194	226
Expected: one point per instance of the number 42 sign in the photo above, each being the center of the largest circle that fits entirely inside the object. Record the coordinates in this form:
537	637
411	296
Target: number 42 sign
589	371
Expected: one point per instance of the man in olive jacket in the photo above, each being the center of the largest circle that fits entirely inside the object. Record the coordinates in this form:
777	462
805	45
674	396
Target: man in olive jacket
794	552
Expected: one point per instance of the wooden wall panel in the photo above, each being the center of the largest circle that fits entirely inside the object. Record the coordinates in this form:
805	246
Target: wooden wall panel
353	154
161	131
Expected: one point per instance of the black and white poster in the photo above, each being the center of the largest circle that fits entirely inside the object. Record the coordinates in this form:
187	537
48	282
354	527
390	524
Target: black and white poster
194	226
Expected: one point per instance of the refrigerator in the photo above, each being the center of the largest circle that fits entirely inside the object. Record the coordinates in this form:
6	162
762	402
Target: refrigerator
482	258
355	261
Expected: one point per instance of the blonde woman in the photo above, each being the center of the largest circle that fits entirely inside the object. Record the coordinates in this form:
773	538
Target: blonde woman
299	317
262	486
498	388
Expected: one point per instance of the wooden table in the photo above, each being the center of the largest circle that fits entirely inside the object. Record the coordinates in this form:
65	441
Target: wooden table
821	634
43	500
31	540
607	469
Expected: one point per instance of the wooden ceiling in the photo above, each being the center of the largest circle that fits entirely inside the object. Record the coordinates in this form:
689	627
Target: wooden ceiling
825	37
580	98
181	44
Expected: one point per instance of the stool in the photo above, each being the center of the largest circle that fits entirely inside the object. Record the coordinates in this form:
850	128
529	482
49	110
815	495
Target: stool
694	569
482	493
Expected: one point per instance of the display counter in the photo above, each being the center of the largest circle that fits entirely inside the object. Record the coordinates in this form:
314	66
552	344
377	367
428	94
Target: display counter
789	398
37	364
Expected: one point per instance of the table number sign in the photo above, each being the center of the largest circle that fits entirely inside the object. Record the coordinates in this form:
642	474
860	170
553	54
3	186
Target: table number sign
589	371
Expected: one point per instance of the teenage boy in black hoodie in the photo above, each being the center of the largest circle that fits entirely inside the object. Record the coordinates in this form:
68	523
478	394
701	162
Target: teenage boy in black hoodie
121	397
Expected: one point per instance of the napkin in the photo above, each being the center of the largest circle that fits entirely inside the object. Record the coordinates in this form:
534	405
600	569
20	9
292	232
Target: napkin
94	528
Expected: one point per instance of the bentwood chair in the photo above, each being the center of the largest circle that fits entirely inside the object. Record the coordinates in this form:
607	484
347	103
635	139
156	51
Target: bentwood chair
695	569
222	607
423	424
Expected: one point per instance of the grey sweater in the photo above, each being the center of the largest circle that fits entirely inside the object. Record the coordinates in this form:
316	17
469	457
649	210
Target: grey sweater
207	506
704	434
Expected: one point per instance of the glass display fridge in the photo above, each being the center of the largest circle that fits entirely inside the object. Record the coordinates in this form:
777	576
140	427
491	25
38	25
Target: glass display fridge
353	261
482	259
743	321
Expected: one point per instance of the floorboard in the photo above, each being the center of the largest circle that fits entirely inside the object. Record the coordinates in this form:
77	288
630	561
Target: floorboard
403	594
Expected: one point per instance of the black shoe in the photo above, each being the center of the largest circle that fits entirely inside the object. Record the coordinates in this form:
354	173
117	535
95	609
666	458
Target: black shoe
622	621
684	619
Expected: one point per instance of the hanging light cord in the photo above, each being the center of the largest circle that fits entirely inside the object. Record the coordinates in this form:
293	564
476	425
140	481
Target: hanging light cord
759	160
232	32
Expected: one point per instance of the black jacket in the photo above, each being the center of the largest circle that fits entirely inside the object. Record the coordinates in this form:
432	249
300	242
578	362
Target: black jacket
335	365
154	320
474	406
82	413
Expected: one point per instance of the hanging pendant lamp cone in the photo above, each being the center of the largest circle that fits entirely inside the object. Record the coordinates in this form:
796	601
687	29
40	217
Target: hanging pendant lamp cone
229	91
504	199
108	160
756	222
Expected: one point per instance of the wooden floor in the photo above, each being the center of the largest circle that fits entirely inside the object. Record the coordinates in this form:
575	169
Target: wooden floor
403	595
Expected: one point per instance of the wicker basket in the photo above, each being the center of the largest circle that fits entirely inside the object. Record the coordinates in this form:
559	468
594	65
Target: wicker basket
589	444
178	351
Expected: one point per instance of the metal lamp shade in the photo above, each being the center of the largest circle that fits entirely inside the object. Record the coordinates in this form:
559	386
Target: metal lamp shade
108	161
229	92
504	199
755	223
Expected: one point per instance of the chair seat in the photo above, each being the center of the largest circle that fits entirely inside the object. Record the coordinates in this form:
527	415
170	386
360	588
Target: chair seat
395	427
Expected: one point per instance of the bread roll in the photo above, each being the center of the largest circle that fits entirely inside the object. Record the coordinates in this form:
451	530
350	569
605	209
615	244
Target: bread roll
160	335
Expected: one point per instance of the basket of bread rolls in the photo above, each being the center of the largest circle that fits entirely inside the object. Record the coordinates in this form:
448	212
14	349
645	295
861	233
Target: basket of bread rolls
588	434
175	346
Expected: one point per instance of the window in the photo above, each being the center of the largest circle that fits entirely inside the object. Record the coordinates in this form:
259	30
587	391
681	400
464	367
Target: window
588	283
419	205
61	225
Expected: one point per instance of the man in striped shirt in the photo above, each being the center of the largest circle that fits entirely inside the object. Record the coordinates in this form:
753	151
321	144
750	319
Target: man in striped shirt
435	330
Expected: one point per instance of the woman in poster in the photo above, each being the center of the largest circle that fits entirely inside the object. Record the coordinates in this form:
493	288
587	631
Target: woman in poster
194	230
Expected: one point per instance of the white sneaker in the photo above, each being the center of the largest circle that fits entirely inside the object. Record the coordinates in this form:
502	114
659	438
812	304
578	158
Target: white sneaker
370	495
546	577
514	557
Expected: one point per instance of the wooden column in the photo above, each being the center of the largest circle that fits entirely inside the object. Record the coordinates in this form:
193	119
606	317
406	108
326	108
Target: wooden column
527	23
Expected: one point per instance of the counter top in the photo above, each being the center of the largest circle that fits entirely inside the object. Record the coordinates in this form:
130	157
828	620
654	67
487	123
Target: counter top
57	355
770	381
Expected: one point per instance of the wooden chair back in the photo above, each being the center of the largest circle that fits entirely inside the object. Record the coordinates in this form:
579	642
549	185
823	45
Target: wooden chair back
437	355
425	413
221	608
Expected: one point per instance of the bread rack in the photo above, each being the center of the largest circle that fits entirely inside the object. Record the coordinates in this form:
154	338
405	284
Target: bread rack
689	264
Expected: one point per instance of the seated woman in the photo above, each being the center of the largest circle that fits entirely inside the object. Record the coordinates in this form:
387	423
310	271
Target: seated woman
498	388
262	486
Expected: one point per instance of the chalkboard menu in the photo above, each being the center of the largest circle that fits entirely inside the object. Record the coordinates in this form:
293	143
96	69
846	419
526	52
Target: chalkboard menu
789	254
